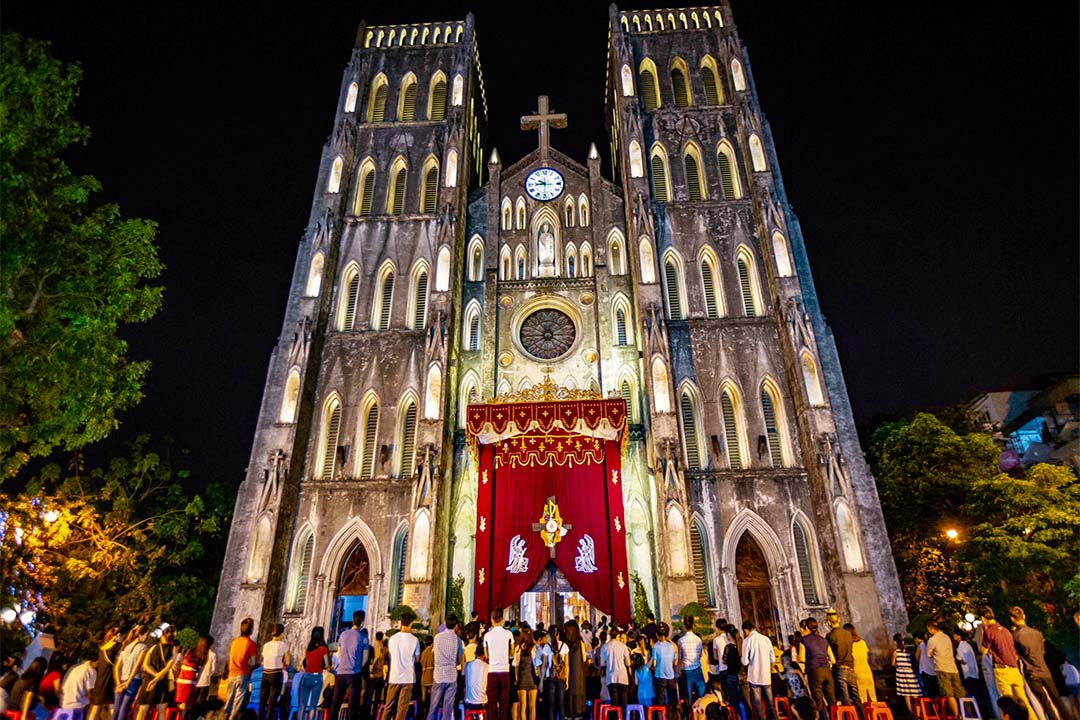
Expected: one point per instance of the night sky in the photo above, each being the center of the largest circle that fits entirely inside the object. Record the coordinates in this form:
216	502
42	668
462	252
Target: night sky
930	152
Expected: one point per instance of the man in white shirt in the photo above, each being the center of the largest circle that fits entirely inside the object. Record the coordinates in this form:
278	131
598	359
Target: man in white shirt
940	649
404	649
448	653
690	661
498	643
757	656
79	681
476	679
615	661
717	667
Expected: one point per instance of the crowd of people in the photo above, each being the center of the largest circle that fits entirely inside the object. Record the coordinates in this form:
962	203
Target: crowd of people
511	671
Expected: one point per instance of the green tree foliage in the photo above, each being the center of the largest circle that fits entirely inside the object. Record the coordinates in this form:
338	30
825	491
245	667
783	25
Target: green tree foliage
121	542
1017	537
71	274
455	603
641	599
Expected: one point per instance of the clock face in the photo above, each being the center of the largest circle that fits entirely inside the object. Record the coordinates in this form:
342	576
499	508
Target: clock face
544	184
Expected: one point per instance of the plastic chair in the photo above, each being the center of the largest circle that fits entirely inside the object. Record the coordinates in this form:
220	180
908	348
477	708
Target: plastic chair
653	710
639	709
877	711
67	714
927	710
943	709
607	710
969	709
782	706
843	712
12	715
475	714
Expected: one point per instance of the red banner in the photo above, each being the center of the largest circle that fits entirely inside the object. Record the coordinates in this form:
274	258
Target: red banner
518	475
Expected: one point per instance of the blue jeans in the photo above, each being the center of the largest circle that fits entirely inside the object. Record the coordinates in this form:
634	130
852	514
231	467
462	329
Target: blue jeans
695	684
442	701
310	692
125	699
761	700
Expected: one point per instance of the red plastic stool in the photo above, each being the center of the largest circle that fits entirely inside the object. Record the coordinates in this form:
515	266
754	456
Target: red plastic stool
378	712
783	708
943	709
16	715
653	710
877	711
926	710
969	709
607	710
731	713
475	714
843	712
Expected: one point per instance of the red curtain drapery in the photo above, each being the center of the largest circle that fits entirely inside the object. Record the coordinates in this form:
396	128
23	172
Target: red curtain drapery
528	452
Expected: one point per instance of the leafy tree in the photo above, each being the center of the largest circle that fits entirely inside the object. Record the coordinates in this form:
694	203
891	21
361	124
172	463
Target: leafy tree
124	541
641	599
71	274
455	604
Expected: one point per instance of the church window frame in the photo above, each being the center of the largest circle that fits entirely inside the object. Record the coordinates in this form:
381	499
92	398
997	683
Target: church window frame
571	260
476	259
637	167
397	190
368	436
661	176
420	556
690	424
471	328
807	559
443	263
622	328
661	379
451	168
429	186
711	284
811	379
406	109
757	154
710	80
382	302
696	184
650	88
350	97
616	253
507	214
419	280
627	78
329	436
365	189
290	397
433	393
349	299
470	394
405	435
701	560
521	263
738	79
397	566
674	286
730	185
436	104
776	435
315	276
458	94
648	260
258	563
731	419
680	83
782	255
677	541
300	571
749	284
585	254
337	168
583	211
519	213
380	88
848	531
506	264
569	212
628	392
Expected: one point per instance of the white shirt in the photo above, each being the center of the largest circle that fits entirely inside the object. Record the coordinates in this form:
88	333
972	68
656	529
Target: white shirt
77	686
1070	673
448	651
690	651
615	657
757	656
719	643
966	655
497	642
208	669
273	655
404	649
129	660
476	674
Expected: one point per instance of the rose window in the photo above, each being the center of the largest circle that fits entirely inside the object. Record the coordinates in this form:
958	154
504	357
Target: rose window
547	334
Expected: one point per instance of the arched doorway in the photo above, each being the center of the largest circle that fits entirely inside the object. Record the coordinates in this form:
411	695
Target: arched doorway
353	585
756	600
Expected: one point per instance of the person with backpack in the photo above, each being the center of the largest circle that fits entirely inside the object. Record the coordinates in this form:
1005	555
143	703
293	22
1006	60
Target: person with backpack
556	670
732	672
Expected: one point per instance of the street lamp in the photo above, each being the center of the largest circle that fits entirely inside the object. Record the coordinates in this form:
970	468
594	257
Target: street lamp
8	614
952	534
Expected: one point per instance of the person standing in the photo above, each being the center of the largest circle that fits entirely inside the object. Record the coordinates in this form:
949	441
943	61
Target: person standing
1072	685
476	674
690	661
575	672
615	663
352	658
816	656
316	659
498	644
126	670
376	674
864	675
241	660
202	684
940	649
927	672
190	669
840	642
448	652
1000	645
662	661
80	681
733	675
427	670
156	665
907	682
558	667
716	651
527	685
1030	646
969	672
404	650
757	656
275	657
101	699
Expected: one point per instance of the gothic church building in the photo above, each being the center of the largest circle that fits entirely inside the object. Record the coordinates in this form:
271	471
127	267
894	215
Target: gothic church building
433	276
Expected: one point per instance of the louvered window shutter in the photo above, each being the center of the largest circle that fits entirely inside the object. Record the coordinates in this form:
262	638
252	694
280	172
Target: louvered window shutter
771	433
438	101
384	306
712	310
806	571
398	578
624	392
408	104
678	86
708	79
697	551
672	277
727	180
330	449
693	178
370	427
659	179
648	90
731	431
420	302
351	294
745	289
431	189
399	192
474	333
368	192
305	573
689	427
408	441
378	105
620	326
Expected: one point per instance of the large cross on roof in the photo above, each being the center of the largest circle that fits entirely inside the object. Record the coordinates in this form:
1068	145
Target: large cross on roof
543	121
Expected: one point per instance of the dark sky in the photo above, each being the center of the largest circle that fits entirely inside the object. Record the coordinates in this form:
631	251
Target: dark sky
930	152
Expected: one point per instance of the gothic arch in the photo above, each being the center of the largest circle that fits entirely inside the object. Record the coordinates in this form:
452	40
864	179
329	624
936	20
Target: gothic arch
349	292
637	167
451	168
811	572
337	551
622	327
734	425
397	190
690	422
749	284
737	77
406	109
661	175
616	253
419	556
314	281
749	521
299	575
470	384
476	258
569	212
334	184
470	330
710	78
433	393
627	77
329	432
585	255
350	97
674	285
647	83
459	90
661	391
290	397
429	185
696	185
519	213
436	104
757	154
583	211
367	435
705	574
376	111
506	264
416	316
780	435
628	391
539	218
258	561
680	83
405	434
521	263
678	539
848	531
780	252
442	269
811	379
383	296
365	189
573	268
730	185
711	283
507	214
648	260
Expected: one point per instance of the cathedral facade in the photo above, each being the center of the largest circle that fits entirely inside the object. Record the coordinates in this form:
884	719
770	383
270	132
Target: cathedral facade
432	276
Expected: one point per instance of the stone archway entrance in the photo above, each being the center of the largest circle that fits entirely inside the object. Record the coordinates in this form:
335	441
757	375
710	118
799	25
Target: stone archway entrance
354	582
756	599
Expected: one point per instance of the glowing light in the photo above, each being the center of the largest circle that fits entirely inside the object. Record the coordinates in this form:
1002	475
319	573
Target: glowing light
8	614
52	516
27	616
970	617
952	534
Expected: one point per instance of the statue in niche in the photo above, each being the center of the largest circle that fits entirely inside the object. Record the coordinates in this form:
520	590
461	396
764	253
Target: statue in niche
545	251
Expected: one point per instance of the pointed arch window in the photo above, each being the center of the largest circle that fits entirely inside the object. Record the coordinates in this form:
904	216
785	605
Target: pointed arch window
377	104
350	97
334	184
710	78
583	211
757	154
849	538
616	256
637	168
679	87
437	97
429	193
807	574
476	260
673	288
395	199
568	212
783	259
289	398
351	284
520	259
621	336
728	412
737	77
520	212
713	301
442	270
811	379
300	571
314	282
648	264
369	440
729	179
419	300
695	187
507	214
586	260
459	90
688	418
627	394
365	189
407	439
397	568
772	429
627	77
433	393
451	168
650	93
407	99
699	554
661	394
472	328
331	428
505	264
661	186
744	264
380	315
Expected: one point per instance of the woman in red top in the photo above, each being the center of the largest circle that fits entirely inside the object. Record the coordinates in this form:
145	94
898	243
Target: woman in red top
190	668
316	659
49	690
